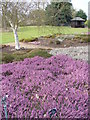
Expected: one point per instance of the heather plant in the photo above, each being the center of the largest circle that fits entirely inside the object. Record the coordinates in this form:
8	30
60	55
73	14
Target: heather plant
37	85
21	55
7	58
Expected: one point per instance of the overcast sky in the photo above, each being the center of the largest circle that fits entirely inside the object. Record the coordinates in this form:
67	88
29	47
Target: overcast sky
77	4
81	4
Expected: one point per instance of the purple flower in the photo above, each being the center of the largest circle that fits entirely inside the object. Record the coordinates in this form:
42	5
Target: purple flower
36	85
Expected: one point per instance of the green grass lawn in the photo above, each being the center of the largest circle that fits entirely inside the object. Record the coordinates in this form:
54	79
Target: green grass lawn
29	32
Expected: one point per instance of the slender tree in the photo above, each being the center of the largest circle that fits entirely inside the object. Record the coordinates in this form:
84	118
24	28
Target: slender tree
59	13
15	13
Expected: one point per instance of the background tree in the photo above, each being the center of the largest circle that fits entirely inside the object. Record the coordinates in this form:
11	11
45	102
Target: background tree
73	12
59	13
5	23
37	17
81	14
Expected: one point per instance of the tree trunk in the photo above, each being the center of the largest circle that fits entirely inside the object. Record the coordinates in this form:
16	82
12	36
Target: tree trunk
17	46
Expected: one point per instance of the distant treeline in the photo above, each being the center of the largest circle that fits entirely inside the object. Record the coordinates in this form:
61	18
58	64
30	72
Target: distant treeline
54	13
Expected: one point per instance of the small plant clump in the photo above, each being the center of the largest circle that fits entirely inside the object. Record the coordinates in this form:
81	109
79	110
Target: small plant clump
57	42
83	38
52	36
7	58
29	40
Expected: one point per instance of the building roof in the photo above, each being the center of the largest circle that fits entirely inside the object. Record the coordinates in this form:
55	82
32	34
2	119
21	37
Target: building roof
77	19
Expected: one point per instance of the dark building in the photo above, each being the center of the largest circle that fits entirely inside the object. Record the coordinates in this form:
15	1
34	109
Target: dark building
77	22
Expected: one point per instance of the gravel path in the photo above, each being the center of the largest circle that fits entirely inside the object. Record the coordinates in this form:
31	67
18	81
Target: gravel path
29	45
80	52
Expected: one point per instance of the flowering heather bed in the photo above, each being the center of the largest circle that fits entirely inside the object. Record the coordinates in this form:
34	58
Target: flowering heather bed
36	85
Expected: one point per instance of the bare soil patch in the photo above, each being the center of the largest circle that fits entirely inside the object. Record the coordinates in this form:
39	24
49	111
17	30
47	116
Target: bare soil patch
54	43
47	43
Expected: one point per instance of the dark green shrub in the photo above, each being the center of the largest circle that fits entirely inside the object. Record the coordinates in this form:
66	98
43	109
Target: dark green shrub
38	52
7	58
21	55
57	42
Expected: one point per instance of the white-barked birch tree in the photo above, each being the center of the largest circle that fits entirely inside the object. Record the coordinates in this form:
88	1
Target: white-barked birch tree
15	13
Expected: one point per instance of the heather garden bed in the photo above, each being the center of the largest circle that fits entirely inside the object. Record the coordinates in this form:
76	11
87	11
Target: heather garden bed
9	54
59	40
37	85
37	82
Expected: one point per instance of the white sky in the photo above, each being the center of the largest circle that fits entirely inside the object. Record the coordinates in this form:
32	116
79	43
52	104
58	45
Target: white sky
77	4
81	4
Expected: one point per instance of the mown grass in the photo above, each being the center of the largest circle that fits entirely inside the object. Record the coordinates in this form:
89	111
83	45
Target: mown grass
29	32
